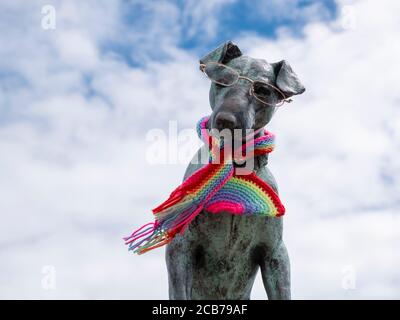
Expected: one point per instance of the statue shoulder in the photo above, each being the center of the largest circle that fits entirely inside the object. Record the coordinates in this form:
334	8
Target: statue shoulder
266	175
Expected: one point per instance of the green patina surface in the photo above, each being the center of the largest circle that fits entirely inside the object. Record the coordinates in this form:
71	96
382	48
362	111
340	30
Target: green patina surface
219	255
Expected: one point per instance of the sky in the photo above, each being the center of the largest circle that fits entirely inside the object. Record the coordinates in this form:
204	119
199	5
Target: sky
78	101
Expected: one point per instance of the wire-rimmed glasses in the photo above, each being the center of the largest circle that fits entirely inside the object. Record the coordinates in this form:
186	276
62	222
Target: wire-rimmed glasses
227	77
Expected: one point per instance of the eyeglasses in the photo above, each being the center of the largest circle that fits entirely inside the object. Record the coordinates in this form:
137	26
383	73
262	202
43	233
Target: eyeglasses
227	77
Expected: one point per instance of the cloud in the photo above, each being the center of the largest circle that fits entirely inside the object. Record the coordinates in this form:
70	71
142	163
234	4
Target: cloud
76	104
201	17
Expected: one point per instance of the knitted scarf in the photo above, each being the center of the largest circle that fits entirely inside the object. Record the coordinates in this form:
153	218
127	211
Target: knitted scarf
214	188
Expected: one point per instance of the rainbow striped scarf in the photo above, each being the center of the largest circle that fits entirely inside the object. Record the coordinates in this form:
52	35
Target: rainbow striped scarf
214	188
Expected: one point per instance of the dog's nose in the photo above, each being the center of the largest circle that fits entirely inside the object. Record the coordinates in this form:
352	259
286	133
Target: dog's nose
225	120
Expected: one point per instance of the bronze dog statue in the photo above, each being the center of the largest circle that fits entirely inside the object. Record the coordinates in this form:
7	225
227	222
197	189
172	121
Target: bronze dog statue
219	255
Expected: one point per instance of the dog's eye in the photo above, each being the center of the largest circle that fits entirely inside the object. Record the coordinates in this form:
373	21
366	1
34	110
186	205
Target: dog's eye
262	90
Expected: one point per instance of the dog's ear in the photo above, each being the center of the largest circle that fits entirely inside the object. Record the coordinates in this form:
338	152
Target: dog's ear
223	54
286	80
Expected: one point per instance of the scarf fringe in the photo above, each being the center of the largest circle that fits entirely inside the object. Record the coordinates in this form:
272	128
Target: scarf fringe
168	223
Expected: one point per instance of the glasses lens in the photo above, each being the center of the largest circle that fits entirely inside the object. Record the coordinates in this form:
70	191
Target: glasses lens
267	93
221	74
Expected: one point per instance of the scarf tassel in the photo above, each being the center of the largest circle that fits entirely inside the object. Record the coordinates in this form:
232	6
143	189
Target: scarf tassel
171	217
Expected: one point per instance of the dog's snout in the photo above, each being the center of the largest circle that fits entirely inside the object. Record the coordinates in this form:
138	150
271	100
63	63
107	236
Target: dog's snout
225	120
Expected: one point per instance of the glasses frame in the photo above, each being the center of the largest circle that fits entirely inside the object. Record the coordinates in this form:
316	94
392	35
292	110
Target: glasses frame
251	90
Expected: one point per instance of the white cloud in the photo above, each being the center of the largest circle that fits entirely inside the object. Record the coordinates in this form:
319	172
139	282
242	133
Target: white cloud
73	172
201	17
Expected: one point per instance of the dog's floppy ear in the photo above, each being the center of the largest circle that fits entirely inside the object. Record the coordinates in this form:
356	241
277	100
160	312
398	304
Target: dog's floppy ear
223	54
286	80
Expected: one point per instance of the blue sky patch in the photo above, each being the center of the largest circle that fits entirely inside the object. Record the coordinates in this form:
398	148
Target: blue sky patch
198	28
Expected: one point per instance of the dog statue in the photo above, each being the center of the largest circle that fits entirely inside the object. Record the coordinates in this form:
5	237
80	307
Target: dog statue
218	256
